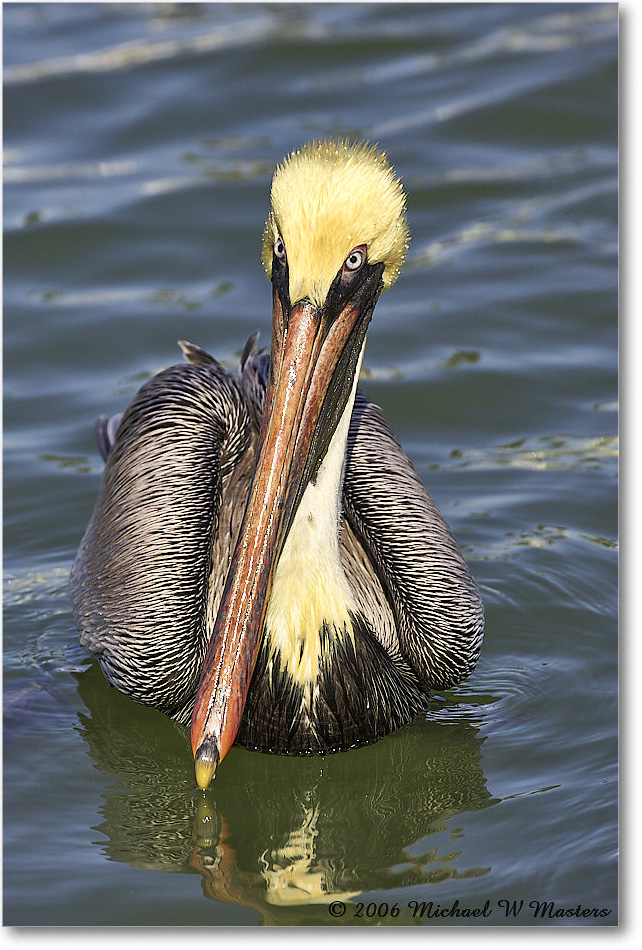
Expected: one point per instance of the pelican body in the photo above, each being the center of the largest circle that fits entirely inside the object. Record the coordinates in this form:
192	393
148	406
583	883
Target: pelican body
263	562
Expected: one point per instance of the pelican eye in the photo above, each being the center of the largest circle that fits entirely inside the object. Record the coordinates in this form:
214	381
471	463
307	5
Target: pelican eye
279	248
355	259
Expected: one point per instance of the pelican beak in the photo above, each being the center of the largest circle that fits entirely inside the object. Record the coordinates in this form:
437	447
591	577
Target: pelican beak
315	353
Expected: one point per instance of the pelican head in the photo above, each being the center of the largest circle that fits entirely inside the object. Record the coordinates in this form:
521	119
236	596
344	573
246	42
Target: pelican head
328	200
335	238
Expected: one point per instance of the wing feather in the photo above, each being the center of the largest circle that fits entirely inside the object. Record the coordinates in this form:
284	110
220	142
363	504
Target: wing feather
437	606
153	548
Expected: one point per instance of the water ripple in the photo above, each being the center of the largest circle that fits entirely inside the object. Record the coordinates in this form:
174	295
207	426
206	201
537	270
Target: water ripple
516	226
545	35
139	52
558	452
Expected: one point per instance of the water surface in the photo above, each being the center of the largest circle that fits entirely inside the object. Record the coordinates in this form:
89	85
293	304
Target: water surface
139	145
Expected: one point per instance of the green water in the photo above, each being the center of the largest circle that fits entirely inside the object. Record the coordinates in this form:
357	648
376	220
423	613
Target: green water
139	145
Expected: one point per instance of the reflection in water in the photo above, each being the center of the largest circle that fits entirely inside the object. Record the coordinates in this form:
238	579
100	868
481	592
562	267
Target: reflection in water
280	832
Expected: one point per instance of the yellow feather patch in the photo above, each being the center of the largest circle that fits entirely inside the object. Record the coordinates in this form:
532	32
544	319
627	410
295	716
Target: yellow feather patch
328	198
309	588
305	598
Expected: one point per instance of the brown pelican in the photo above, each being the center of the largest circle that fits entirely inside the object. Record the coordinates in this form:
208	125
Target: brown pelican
263	560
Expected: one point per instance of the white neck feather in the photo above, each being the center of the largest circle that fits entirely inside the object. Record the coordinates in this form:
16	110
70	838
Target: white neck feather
309	587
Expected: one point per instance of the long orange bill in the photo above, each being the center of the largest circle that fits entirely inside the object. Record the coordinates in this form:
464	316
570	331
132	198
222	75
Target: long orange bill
311	355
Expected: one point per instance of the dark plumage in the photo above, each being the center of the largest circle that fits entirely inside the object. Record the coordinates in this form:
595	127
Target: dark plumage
148	578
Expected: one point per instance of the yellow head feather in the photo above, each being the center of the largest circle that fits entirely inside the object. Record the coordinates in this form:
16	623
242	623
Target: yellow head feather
328	198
